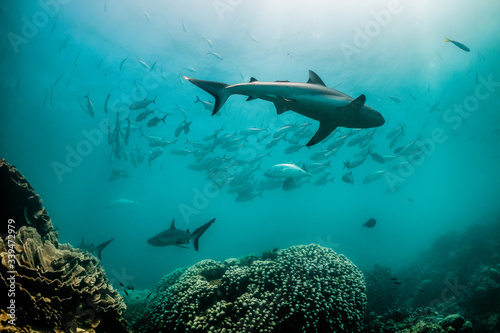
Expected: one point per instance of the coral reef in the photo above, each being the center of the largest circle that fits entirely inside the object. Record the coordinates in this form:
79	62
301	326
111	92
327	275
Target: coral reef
422	320
481	299
53	287
303	289
460	273
136	302
22	204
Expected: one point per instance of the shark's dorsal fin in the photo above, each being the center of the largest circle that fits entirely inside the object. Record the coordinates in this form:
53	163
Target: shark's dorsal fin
357	103
315	79
252	79
172	226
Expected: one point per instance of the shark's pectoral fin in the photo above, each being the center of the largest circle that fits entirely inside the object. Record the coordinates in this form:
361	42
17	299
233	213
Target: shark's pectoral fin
179	245
324	130
282	104
280	107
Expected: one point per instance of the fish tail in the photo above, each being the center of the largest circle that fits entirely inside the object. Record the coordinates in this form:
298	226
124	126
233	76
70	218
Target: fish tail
447	40
101	247
198	232
216	89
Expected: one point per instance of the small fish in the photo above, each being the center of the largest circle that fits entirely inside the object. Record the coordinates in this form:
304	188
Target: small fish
147	15
123	61
141	104
411	95
397	282
126	293
100	62
183	126
66	40
377	158
393	278
209	42
148	295
145	65
183	26
459	45
207	105
154	121
252	37
121	285
120	203
53	27
90	105
395	99
143	115
218	56
370	223
152	66
60	76
106	103
373	176
107	70
181	151
127	133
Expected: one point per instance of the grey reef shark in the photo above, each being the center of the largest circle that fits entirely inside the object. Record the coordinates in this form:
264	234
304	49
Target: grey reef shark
177	237
95	250
312	99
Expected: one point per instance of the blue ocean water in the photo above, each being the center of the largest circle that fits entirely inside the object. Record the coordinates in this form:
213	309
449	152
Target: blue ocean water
54	53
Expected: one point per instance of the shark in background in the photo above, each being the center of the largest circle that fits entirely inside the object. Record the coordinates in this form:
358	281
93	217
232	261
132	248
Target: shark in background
312	99
95	250
177	237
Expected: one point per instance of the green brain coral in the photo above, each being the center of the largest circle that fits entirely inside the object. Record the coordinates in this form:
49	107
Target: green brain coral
301	289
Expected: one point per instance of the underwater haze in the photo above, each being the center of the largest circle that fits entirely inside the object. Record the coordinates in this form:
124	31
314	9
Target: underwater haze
71	72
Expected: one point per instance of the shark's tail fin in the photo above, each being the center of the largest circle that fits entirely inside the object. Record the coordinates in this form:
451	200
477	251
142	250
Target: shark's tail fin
101	247
216	89
198	232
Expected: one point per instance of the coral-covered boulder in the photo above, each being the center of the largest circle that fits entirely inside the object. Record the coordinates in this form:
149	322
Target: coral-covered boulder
46	286
299	289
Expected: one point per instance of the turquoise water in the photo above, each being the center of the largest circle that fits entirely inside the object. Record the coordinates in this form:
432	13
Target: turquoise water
393	52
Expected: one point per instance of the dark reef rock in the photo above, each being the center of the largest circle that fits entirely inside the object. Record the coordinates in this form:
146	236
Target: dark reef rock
460	273
22	204
299	289
481	298
57	288
422	320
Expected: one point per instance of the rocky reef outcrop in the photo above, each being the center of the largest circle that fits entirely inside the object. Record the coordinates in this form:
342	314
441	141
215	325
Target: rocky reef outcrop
458	275
50	287
299	289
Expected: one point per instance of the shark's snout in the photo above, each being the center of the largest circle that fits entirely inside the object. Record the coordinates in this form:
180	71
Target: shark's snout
379	119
